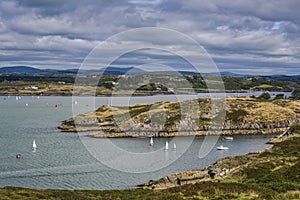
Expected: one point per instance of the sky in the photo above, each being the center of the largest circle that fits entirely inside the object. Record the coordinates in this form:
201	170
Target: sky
241	36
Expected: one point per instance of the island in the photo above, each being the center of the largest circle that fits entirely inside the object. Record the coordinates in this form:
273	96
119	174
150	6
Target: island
167	119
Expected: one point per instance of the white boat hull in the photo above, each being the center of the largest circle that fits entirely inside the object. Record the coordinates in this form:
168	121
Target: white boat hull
222	148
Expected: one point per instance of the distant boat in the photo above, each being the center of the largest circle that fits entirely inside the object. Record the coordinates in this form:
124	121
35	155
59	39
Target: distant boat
34	146
228	138
166	146
222	148
19	156
26	104
174	146
151	142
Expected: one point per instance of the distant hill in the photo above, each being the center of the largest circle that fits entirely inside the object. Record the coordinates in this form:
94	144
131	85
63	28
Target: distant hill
107	71
20	69
120	71
294	78
232	74
133	70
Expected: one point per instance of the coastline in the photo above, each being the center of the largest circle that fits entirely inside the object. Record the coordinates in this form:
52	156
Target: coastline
192	134
243	116
216	171
260	175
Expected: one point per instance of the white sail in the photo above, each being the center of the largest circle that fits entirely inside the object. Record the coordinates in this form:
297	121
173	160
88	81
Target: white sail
34	146
167	145
174	145
151	141
228	138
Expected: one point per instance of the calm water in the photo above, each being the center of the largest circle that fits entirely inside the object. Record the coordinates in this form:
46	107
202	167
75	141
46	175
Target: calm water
62	161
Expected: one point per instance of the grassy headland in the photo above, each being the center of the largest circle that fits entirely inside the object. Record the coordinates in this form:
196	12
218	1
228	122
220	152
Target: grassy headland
164	119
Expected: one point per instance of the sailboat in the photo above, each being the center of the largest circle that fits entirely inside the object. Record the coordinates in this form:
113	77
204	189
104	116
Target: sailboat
174	146
166	146
34	146
222	148
151	142
228	138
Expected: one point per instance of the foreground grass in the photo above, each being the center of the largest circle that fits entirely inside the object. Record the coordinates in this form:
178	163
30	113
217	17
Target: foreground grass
273	174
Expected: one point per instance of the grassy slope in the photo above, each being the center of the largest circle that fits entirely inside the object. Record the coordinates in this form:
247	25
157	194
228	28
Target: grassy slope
273	174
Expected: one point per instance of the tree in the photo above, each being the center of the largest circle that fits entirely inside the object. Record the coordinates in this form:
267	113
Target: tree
279	96
265	96
296	94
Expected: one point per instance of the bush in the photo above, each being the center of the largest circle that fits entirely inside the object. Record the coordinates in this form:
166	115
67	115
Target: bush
265	96
279	96
296	94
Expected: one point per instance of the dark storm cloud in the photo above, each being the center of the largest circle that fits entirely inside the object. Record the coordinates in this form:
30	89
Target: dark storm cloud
240	35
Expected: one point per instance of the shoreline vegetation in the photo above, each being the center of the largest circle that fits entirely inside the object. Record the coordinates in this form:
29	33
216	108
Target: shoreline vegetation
166	119
141	84
271	174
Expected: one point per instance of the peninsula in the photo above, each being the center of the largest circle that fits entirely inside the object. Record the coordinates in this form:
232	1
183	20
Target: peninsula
166	119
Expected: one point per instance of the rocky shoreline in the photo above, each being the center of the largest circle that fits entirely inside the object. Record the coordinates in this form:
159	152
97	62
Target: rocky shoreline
214	171
243	116
221	169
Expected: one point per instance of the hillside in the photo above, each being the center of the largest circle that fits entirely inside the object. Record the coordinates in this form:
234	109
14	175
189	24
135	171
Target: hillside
20	69
243	116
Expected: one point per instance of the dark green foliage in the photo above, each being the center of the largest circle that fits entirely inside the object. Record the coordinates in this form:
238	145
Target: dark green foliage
296	128
196	81
279	96
172	120
139	109
296	94
264	96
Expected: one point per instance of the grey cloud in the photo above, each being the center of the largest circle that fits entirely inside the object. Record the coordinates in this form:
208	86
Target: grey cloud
246	34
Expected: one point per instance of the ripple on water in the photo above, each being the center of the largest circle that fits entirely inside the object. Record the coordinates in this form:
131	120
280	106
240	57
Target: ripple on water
62	161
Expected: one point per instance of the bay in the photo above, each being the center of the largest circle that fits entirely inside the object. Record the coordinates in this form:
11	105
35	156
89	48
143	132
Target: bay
62	161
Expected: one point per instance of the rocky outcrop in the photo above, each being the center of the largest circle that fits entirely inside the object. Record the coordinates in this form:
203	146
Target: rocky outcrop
250	167
165	119
214	171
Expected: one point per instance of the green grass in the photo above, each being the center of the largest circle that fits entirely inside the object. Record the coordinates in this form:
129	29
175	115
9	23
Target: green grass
264	86
136	110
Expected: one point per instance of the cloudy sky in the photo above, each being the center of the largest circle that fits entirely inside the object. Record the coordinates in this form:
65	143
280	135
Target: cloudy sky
242	36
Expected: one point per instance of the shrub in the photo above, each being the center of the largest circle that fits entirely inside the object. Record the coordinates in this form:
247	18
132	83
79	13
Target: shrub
265	96
279	96
296	94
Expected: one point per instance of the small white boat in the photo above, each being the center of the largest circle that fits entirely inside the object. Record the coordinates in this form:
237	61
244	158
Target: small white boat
222	148
228	138
166	146
34	146
174	146
151	142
